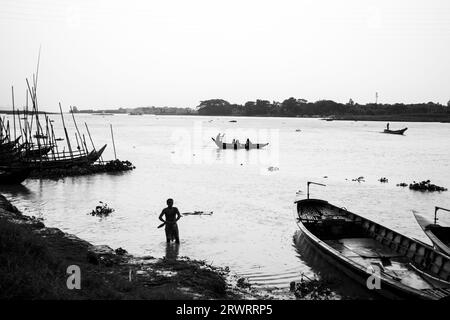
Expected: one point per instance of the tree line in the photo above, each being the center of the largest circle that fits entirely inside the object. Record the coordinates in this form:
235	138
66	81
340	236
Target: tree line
301	107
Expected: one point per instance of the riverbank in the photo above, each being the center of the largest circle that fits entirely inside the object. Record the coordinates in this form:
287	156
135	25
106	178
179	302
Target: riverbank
34	260
444	118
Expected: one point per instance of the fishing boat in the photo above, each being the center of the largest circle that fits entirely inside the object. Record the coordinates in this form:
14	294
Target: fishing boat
361	248
12	175
36	152
401	131
439	235
65	160
236	145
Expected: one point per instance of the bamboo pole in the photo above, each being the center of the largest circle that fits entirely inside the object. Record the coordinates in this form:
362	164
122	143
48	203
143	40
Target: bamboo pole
114	146
76	127
92	142
65	131
14	113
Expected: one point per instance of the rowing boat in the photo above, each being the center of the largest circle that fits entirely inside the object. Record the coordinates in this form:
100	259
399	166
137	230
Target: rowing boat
439	235
236	145
401	131
362	249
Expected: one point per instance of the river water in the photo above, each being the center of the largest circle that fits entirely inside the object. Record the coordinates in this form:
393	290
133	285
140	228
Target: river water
251	193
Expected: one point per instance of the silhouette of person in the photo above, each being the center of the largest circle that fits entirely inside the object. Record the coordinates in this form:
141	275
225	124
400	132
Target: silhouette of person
247	144
387	126
172	215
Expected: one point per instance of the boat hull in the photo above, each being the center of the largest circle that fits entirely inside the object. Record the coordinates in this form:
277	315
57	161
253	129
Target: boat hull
398	250
402	131
238	146
13	175
439	236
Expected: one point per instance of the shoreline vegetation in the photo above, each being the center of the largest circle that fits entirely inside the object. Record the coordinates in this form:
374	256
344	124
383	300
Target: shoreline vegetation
34	261
293	107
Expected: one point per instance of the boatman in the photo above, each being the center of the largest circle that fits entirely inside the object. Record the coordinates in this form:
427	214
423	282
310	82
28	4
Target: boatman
172	215
387	126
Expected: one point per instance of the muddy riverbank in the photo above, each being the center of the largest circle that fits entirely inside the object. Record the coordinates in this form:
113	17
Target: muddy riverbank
35	260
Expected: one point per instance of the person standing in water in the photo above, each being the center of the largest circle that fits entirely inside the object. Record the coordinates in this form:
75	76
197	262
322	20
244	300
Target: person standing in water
172	215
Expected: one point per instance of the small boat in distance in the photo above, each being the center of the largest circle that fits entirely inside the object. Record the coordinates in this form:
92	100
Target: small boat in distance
401	131
439	235
235	145
361	248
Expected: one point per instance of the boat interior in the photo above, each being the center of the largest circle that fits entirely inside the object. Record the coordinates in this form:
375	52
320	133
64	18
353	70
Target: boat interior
442	233
371	245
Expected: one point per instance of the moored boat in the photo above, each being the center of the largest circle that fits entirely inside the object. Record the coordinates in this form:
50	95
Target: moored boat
236	145
406	268
58	161
13	175
439	235
401	131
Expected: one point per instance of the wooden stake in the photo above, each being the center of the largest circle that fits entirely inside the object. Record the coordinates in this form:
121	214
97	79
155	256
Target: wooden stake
114	146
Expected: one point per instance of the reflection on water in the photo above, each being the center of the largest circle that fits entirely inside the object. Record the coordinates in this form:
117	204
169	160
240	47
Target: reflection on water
253	222
172	250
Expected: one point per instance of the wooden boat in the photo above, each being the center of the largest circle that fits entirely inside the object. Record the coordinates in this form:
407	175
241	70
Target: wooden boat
407	268
58	161
37	152
401	131
237	145
439	235
12	175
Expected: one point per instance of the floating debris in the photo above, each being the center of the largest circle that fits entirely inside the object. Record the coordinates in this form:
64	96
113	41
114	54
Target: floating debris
243	283
426	186
120	251
403	184
312	289
102	210
197	213
383	180
273	168
359	179
232	121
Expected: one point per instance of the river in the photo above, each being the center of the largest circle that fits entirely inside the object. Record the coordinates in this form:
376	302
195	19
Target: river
251	193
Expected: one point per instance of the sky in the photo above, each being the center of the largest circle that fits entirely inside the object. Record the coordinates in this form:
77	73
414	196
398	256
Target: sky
106	53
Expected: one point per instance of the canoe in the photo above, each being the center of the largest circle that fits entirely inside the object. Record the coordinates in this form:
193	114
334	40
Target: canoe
401	131
236	146
9	175
439	235
406	268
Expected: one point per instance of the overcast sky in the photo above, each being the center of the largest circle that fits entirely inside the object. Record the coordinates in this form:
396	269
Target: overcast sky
104	53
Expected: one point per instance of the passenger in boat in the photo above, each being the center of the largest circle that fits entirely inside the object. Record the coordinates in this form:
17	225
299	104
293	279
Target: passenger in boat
172	215
387	126
247	144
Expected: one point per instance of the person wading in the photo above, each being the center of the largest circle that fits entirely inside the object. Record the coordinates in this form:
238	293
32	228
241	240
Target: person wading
172	215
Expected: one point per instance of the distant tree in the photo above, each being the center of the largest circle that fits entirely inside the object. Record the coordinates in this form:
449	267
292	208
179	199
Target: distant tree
214	107
351	102
448	103
74	109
